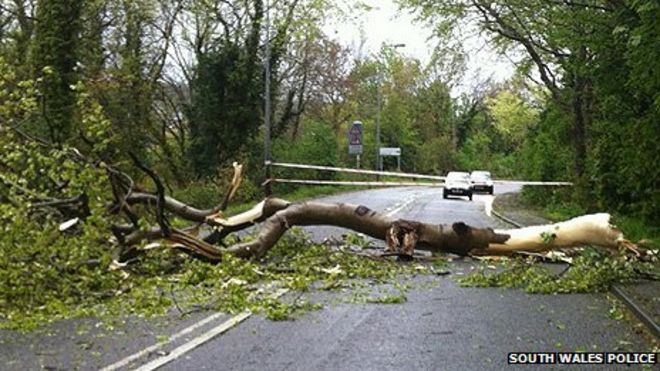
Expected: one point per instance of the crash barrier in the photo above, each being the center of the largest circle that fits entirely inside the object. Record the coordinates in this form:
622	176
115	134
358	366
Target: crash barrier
357	182
383	173
354	171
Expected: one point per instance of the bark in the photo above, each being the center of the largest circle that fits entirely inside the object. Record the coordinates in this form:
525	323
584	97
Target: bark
593	229
402	236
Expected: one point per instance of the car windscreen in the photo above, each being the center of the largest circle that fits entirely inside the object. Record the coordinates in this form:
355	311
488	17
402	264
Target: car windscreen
458	178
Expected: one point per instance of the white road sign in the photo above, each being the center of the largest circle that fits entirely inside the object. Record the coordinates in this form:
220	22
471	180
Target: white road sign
390	151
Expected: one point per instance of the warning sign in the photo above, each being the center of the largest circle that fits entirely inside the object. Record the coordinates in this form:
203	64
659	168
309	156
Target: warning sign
355	138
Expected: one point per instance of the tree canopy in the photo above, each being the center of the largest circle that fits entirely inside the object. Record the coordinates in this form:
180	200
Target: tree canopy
102	100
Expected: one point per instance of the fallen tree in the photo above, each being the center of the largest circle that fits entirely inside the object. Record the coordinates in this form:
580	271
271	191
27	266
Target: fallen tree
56	242
402	236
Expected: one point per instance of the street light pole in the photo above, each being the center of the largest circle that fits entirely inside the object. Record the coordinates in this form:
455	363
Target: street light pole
378	109
379	98
267	187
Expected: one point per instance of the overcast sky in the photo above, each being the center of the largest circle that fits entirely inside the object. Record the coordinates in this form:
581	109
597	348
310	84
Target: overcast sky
385	24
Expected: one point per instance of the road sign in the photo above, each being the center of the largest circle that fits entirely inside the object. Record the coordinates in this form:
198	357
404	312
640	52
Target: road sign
390	151
355	138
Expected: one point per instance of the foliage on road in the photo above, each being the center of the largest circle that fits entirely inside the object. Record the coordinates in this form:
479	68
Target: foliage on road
166	280
590	271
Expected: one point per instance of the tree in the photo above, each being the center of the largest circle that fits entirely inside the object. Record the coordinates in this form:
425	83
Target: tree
227	83
512	117
594	60
55	55
402	236
327	75
434	118
226	97
17	24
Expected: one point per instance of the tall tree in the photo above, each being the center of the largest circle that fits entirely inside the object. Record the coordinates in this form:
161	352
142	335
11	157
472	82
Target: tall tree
55	56
598	62
226	94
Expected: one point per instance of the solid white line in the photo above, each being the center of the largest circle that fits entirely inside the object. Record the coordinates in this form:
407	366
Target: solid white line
150	349
194	343
210	334
488	203
126	361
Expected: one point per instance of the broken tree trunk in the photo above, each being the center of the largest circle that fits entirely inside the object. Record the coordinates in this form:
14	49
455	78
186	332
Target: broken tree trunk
402	236
593	229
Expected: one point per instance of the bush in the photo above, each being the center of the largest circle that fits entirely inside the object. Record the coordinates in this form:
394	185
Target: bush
317	145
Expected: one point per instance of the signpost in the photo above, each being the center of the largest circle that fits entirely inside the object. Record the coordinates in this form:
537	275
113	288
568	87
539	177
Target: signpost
355	141
391	151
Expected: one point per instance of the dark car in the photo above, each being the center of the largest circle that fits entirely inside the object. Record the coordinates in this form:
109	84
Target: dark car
457	183
481	181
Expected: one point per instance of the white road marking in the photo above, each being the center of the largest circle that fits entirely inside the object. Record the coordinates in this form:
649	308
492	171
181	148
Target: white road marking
488	203
194	343
126	361
183	348
402	206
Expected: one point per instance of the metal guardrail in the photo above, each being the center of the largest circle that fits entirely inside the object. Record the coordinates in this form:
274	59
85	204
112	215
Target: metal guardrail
358	183
354	171
385	173
531	182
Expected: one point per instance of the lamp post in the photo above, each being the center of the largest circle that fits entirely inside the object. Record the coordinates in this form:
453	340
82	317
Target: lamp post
267	187
379	98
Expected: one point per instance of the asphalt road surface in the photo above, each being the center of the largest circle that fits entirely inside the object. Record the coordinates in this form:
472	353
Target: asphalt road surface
441	326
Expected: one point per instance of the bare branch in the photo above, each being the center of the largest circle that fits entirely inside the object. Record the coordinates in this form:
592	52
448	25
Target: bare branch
160	204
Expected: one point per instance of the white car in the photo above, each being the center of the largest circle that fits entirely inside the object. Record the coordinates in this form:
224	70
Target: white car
481	181
457	183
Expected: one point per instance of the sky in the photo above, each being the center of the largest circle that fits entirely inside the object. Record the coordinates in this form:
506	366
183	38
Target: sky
385	24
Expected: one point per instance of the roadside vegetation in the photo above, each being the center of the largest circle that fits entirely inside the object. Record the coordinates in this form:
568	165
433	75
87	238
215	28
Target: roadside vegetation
590	270
168	281
88	87
584	270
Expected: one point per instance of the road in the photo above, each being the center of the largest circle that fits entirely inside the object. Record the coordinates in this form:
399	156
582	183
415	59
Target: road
441	326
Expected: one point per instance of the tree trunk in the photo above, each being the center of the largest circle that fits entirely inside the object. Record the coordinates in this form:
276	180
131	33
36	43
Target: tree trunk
593	229
402	236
